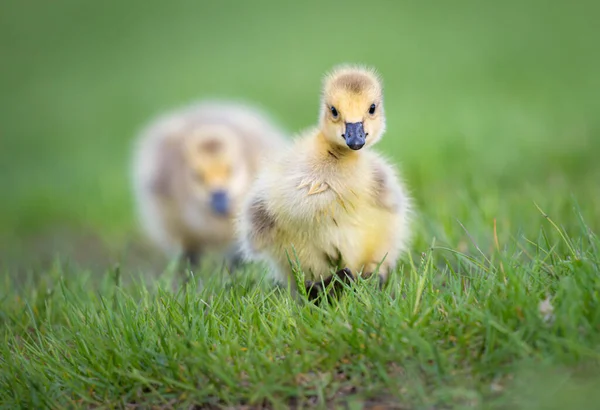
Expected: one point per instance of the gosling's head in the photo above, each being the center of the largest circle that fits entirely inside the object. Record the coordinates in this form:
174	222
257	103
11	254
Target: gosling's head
217	173
352	115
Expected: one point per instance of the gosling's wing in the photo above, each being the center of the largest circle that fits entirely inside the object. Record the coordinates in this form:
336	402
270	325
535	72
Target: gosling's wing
152	168
255	222
387	189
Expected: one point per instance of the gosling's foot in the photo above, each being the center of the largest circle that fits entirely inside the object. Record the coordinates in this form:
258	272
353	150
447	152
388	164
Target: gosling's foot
345	275
315	289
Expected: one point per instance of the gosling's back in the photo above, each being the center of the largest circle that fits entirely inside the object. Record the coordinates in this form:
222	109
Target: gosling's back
171	203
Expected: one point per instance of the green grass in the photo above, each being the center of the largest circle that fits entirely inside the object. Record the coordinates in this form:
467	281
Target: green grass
492	109
451	330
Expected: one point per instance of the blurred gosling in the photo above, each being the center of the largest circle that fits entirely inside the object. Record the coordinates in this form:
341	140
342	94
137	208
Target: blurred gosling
191	170
339	205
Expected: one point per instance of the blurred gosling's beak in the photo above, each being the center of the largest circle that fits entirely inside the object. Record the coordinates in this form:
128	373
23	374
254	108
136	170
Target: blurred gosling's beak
219	202
355	135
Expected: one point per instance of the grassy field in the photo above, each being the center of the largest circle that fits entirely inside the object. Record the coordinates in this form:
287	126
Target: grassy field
493	119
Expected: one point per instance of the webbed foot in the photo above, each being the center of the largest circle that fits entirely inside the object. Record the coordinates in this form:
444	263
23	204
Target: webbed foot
315	288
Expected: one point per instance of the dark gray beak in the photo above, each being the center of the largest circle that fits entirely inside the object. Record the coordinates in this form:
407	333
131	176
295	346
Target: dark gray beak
355	135
219	202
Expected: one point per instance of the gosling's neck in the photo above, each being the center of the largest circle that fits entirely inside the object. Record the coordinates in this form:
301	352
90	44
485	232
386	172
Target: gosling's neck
332	153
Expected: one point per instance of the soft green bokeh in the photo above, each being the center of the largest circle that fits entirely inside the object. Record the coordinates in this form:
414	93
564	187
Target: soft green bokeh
497	102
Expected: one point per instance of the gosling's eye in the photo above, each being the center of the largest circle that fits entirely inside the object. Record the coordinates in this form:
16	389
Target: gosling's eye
372	109
334	112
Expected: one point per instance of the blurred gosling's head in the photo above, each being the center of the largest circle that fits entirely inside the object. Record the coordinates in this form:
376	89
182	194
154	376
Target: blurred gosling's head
352	115
217	172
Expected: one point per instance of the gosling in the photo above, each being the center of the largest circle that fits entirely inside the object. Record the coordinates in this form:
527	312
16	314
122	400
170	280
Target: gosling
329	202
192	168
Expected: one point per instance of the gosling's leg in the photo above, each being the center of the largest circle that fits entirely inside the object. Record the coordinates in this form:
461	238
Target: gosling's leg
190	259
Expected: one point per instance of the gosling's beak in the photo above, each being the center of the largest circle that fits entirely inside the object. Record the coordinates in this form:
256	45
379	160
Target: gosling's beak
219	202
355	135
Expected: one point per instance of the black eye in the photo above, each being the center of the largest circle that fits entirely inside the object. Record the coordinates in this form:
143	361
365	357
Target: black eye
334	112
372	109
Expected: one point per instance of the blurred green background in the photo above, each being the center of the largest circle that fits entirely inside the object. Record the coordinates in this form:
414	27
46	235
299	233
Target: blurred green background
490	105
